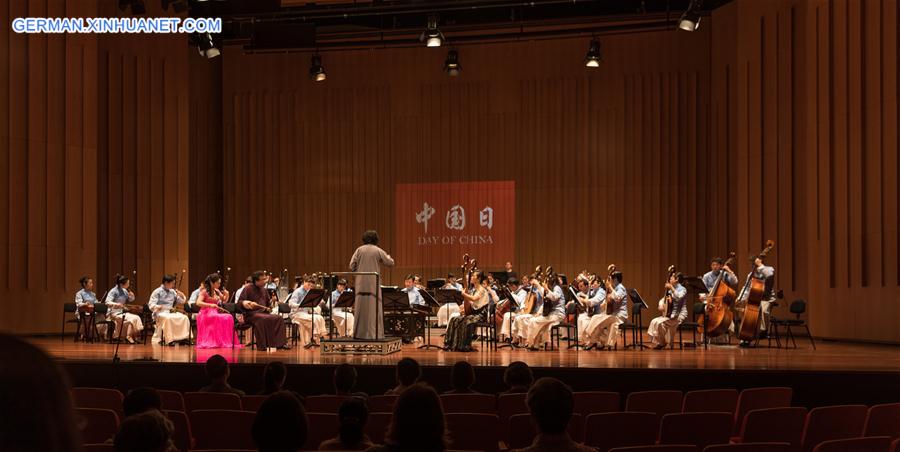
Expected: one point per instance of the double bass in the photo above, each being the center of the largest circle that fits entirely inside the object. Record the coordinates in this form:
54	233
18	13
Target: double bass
719	302
756	290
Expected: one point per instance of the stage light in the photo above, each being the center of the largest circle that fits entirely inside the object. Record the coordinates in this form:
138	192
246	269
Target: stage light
206	46
451	64
316	70
593	57
432	36
690	20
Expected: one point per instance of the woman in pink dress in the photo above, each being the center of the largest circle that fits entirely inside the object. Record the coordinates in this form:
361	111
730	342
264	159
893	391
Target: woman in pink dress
215	325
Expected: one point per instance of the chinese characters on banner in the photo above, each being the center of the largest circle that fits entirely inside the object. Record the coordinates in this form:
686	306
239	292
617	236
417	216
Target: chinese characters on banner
438	223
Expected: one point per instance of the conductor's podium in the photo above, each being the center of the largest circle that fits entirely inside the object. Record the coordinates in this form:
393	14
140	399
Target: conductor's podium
349	346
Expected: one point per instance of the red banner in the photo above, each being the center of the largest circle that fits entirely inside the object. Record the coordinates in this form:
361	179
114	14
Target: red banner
438	223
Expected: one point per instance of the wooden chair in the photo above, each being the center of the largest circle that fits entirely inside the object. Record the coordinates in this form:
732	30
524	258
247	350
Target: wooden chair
773	425
99	424
832	422
509	405
590	402
756	398
659	402
222	429
469	403
604	431
710	400
171	400
865	444
699	429
883	420
469	431
523	431
182	437
102	398
211	401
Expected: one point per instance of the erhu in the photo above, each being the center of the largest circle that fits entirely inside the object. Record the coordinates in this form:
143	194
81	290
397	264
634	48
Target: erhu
178	279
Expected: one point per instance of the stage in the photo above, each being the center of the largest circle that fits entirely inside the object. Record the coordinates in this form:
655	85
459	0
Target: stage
819	377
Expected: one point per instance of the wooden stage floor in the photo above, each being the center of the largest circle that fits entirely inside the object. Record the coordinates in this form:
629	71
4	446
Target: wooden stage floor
830	356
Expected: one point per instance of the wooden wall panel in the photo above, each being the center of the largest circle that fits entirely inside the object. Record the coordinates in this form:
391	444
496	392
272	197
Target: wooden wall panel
610	165
816	149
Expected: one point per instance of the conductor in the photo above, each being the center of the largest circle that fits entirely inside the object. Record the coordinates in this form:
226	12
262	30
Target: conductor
369	313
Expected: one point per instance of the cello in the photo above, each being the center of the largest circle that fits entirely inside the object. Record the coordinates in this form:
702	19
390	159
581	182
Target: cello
756	288
718	305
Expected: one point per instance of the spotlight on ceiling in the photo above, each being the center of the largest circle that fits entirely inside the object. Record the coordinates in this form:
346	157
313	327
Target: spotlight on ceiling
690	20
593	56
451	64
206	46
432	36
316	70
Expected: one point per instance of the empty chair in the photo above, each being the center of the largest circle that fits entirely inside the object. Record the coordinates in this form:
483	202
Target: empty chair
322	426
659	448
377	425
756	398
324	404
590	402
252	402
98	448
883	420
509	405
221	429
778	425
659	402
750	447
710	401
895	446
469	403
620	429
171	400
523	431
102	398
699	429
182	437
473	431
867	444
99	424
211	401
832	422
381	404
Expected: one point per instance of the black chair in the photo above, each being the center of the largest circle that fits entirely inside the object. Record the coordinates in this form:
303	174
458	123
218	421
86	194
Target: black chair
488	325
798	307
699	309
191	310
285	310
571	334
103	309
69	310
149	323
636	327
240	327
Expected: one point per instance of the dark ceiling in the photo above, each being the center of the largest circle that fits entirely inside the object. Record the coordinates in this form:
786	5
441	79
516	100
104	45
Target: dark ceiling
267	25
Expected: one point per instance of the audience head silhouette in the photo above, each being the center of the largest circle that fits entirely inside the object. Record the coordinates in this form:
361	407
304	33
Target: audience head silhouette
273	377
344	379
37	412
352	416
141	400
518	377
150	431
550	403
418	421
462	376
408	372
217	368
280	424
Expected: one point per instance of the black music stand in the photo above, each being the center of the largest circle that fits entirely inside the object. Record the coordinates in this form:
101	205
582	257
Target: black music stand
445	296
434	284
393	299
346	300
311	300
695	286
431	303
500	277
572	297
639	324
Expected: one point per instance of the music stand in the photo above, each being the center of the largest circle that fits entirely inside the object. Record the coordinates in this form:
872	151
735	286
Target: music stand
639	324
392	299
695	286
311	300
571	297
434	284
346	300
431	303
500	277
504	294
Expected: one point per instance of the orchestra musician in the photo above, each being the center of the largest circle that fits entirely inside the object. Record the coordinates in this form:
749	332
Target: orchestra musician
603	330
116	299
593	296
171	326
342	317
765	273
215	325
461	329
302	316
673	307
517	291
449	310
256	303
247	282
523	319
410	287
85	297
716	266
540	323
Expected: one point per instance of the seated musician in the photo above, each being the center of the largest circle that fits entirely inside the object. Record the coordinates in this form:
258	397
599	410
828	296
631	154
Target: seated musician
415	298
507	330
449	310
663	328
593	299
342	317
461	329
417	281
85	300
717	266
247	282
255	302
523	318
171	326
302	317
540	323
602	332
767	274
116	299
